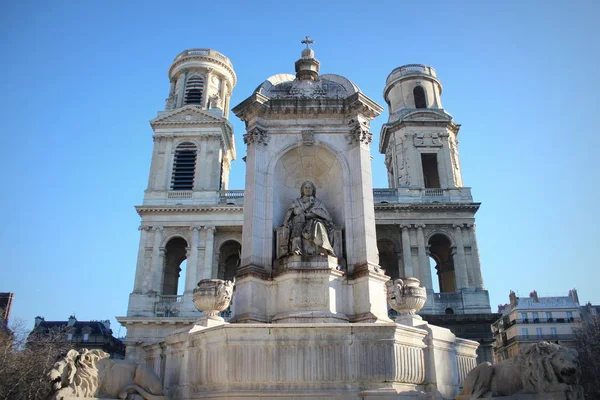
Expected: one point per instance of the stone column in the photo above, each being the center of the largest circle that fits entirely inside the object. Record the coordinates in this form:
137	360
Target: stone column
460	262
406	253
141	267
157	267
400	263
181	86
475	258
192	263
208	253
423	261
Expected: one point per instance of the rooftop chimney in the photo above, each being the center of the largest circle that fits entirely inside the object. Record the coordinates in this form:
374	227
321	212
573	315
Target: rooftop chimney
534	295
38	321
573	295
72	320
514	300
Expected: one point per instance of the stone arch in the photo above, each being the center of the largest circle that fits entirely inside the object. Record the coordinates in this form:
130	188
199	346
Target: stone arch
175	253
441	251
420	96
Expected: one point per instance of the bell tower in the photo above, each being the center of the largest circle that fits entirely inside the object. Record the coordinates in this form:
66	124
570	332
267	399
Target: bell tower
191	225
426	219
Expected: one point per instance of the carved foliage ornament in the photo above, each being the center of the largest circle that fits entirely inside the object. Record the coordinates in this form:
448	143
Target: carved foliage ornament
359	133
257	135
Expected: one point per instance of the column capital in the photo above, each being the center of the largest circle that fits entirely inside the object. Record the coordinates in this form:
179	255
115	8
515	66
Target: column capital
144	228
457	226
420	226
404	226
158	228
209	228
470	225
195	228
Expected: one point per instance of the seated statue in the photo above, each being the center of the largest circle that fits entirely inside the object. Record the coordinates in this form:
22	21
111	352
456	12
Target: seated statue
310	225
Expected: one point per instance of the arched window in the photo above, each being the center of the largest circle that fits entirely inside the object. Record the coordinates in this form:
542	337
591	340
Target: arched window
440	249
194	88
184	166
175	255
419	95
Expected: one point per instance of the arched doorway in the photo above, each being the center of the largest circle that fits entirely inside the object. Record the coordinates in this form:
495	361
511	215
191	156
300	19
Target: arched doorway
175	255
440	250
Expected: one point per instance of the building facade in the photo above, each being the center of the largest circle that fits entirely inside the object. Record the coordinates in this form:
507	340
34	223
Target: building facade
82	334
526	320
190	217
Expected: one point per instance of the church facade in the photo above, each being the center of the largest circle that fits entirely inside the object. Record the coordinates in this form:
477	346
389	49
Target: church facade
304	127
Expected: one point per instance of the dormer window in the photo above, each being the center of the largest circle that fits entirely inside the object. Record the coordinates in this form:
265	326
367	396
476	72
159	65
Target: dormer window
194	88
419	95
184	166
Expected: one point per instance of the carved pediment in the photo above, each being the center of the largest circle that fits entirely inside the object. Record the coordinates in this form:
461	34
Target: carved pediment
186	115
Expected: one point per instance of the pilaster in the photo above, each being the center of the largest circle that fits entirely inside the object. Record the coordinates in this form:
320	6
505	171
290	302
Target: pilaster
157	267
181	87
208	252
141	267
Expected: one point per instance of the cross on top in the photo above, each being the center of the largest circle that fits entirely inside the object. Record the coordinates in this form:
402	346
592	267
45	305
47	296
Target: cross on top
308	41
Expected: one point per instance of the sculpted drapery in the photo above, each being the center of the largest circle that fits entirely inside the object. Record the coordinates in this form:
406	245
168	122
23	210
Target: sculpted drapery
310	224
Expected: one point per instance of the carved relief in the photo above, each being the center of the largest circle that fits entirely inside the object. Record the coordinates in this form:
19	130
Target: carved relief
171	102
257	135
403	171
359	133
427	140
308	138
214	101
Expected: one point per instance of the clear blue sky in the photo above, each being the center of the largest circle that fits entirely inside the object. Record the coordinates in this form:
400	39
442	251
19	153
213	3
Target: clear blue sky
80	80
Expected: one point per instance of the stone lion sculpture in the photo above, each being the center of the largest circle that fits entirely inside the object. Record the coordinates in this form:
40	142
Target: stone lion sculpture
90	373
543	367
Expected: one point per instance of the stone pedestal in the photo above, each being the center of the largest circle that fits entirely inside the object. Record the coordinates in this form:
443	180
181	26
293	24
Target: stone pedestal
308	290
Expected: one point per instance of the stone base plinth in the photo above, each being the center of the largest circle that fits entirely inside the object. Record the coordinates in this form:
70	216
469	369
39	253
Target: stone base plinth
306	289
312	361
521	396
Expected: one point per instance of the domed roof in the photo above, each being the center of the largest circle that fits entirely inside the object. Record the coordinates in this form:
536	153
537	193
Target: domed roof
287	86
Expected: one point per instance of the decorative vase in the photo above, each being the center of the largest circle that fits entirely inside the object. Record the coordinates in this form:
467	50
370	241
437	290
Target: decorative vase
406	296
213	296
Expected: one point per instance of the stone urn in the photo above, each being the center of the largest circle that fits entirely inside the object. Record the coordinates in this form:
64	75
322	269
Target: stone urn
213	296
406	296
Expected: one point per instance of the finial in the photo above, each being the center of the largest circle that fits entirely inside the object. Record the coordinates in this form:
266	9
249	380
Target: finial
307	41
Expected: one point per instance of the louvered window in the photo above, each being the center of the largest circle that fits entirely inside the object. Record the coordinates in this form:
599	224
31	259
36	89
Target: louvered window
194	88
184	165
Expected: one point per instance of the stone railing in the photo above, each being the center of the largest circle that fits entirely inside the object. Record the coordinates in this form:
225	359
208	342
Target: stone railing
180	194
231	197
167	306
422	195
204	52
411	69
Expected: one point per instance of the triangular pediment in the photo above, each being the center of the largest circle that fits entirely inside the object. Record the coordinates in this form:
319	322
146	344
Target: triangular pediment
186	115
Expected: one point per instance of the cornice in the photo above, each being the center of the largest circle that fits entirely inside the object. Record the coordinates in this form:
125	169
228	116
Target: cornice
260	105
141	210
426	206
208	58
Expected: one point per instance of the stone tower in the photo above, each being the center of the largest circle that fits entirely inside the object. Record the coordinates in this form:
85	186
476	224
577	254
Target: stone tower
184	213
428	216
